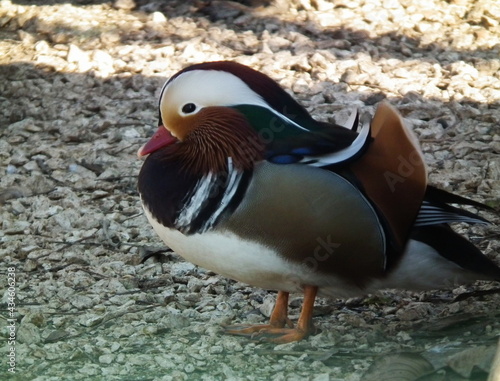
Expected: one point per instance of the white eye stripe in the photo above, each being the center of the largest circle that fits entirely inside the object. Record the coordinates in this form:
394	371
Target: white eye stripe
208	88
162	91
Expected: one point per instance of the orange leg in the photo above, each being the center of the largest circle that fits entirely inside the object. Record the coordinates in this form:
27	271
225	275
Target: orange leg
275	331
279	318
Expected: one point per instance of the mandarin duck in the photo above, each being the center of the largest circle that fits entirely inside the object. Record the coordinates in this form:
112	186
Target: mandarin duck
241	180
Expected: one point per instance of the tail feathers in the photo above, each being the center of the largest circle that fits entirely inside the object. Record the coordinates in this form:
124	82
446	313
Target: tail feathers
458	250
439	196
435	209
432	214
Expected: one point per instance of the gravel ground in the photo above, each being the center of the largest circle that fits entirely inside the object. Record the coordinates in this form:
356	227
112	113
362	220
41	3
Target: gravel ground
79	83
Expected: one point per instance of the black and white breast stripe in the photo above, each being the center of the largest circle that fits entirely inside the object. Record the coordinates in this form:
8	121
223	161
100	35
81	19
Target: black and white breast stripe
179	199
212	195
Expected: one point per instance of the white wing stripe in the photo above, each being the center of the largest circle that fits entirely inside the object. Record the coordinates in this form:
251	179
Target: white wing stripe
343	154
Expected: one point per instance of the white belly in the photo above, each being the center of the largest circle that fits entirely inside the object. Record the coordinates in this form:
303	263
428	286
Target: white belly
248	262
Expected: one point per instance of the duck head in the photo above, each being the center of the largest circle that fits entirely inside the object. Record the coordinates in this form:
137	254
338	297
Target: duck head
225	109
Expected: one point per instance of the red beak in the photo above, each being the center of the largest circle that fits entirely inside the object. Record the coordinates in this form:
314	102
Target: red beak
161	138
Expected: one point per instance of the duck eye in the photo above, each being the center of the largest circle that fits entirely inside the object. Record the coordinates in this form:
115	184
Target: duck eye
188	108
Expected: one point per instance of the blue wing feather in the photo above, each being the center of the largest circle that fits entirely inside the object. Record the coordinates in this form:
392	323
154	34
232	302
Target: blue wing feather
310	142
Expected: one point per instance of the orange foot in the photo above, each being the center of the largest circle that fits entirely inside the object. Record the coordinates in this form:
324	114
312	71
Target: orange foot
266	332
275	331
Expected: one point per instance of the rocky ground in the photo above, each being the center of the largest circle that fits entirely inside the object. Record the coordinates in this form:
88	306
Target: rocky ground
79	82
